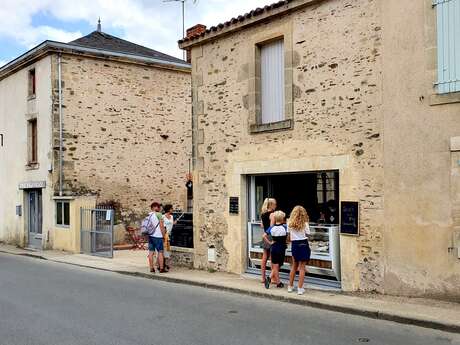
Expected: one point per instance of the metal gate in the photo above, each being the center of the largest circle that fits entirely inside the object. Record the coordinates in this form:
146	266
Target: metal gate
96	231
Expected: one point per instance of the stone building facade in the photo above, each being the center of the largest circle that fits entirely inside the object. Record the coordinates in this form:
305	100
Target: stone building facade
125	115
358	100
126	134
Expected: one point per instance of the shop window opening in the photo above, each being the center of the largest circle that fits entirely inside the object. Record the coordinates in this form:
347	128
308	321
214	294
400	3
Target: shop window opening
318	192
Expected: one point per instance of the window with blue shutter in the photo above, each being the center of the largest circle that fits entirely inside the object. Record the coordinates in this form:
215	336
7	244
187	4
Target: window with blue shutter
448	28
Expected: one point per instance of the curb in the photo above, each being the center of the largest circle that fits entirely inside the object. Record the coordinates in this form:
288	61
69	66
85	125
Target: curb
452	328
30	255
373	314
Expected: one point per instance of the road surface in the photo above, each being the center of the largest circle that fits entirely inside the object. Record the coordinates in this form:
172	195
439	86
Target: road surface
44	303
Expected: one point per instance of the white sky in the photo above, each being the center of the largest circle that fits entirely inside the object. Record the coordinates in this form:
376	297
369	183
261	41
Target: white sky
154	23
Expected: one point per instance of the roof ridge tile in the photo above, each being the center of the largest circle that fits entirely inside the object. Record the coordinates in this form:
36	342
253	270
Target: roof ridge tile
241	18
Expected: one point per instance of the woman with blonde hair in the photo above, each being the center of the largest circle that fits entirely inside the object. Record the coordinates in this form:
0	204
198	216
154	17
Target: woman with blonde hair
298	229
266	215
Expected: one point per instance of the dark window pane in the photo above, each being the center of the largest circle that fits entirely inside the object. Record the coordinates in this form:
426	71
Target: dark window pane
66	213
59	213
32	82
34	141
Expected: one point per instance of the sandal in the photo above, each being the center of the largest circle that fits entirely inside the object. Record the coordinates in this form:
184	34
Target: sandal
152	270
280	285
267	282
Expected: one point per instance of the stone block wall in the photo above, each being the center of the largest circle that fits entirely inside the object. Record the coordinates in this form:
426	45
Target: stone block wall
127	136
181	257
336	80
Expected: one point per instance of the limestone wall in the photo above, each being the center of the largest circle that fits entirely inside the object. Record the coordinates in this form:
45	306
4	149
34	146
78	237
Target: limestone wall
421	172
127	135
338	124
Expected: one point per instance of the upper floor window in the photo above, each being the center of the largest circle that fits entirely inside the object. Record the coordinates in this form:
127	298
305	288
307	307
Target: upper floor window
32	83
32	141
272	82
448	31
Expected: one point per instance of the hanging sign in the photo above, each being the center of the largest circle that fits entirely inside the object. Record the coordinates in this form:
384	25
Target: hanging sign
349	218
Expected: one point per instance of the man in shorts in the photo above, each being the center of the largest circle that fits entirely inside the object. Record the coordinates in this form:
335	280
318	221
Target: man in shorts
156	237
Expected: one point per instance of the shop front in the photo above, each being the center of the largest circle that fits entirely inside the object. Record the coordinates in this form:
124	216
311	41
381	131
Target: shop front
318	192
320	183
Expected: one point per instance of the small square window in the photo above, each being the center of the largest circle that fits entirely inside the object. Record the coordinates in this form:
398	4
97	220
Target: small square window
63	213
32	82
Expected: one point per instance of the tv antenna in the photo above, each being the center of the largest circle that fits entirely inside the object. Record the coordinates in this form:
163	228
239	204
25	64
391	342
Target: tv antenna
183	15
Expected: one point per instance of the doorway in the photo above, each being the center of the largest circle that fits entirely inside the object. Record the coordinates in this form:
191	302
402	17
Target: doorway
34	217
318	193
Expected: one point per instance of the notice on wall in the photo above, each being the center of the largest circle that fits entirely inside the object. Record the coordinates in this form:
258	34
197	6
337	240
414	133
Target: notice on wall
349	218
32	185
234	205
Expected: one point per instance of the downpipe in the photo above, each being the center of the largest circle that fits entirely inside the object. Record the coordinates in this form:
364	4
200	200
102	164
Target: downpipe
60	125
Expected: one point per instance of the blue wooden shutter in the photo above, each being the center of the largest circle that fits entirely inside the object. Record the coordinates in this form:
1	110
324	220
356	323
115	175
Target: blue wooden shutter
448	27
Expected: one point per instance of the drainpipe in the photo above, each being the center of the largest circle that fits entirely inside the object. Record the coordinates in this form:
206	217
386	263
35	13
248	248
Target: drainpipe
60	124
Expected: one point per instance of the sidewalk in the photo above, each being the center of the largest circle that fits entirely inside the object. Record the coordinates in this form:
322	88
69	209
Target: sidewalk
416	311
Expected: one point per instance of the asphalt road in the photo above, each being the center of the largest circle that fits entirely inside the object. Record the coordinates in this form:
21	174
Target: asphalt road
48	303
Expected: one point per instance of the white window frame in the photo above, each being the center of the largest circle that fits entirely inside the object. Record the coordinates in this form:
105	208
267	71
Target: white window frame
63	202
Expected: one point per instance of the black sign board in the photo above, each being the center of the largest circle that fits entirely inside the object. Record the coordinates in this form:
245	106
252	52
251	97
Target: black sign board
234	206
182	231
349	218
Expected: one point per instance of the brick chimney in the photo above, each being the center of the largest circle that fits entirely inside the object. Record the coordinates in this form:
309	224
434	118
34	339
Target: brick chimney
196	30
192	32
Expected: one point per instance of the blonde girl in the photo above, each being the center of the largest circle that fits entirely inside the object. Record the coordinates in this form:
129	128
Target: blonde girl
266	215
278	233
298	229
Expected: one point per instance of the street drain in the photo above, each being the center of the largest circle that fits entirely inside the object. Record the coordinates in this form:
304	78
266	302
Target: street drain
232	312
364	340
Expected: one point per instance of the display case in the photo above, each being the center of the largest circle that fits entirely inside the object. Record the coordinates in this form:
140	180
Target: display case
324	242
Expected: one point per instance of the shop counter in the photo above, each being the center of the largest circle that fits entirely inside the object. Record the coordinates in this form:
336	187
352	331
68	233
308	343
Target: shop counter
324	243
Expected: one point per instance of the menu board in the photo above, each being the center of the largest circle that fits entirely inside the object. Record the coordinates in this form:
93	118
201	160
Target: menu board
349	218
234	205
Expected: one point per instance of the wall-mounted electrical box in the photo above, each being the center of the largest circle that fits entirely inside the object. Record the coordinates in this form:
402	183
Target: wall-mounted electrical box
211	254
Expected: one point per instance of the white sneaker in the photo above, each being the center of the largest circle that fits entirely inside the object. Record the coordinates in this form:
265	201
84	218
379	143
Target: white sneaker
290	288
300	291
